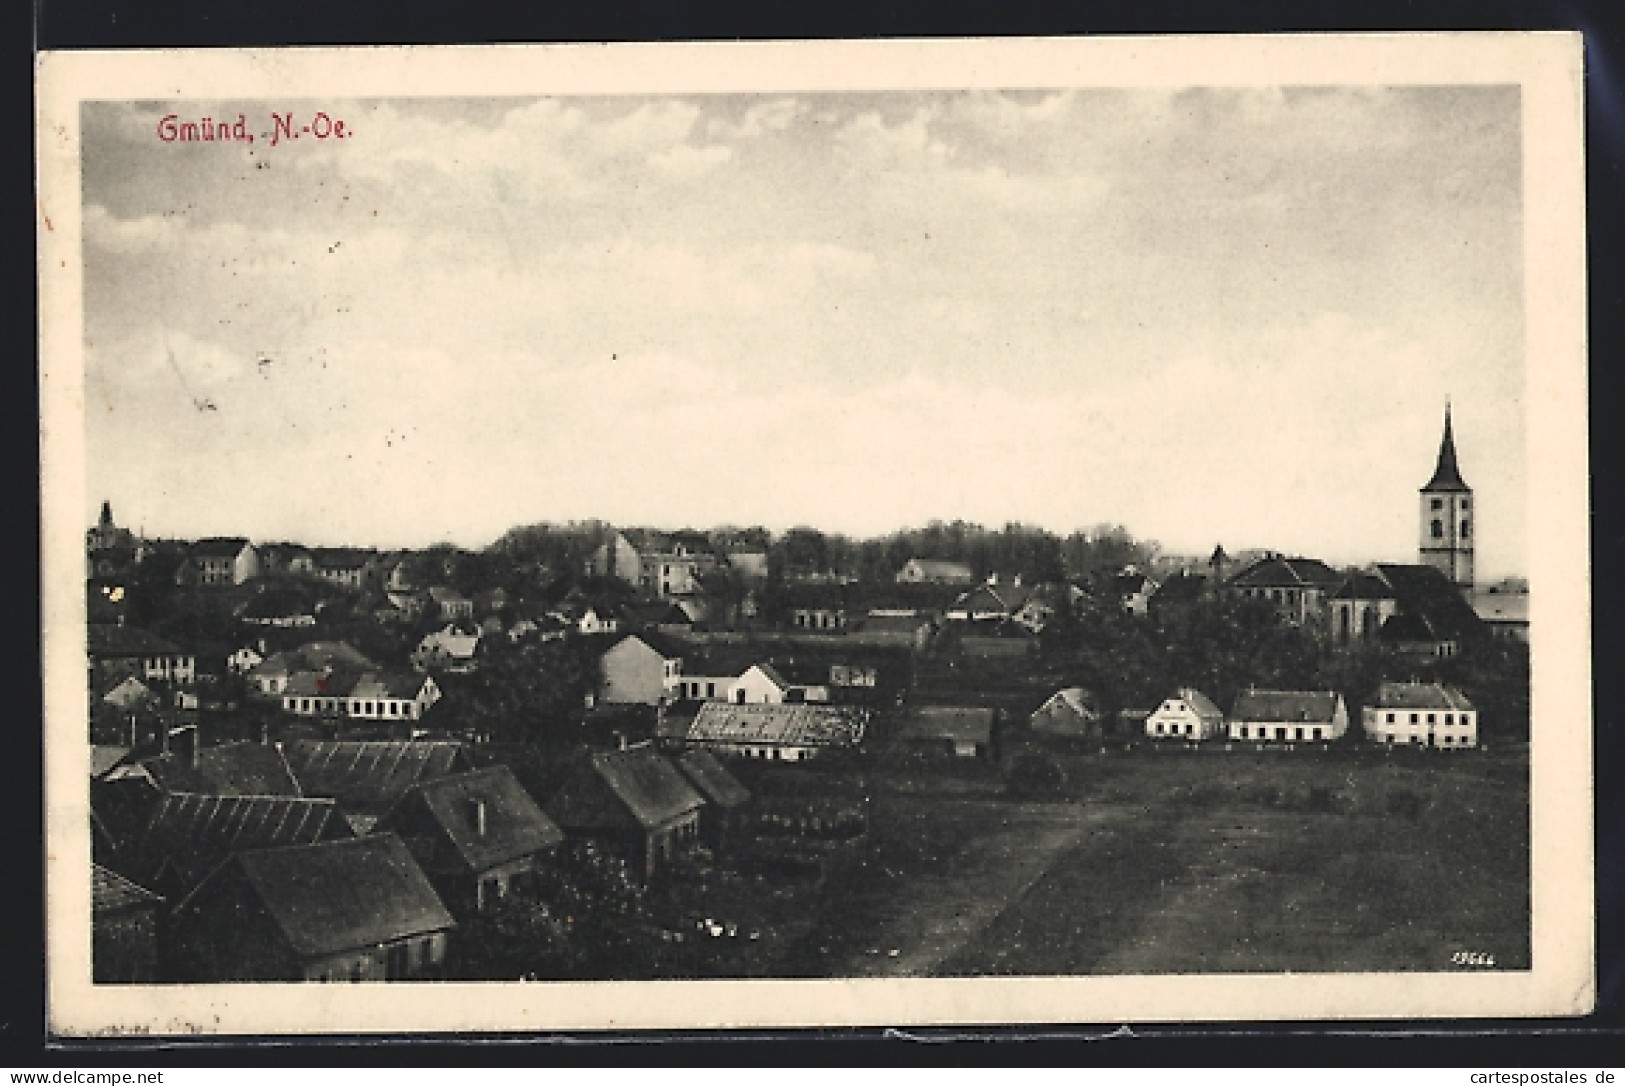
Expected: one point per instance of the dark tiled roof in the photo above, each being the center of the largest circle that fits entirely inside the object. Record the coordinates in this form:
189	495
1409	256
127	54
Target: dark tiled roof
341	557
107	640
1419	696
1284	706
715	783
1278	572
342	895
1200	702
623	789
110	891
514	825
319	654
1430	603
1363	586
661	644
219	547
235	769
1446	474
369	776
123	807
190	835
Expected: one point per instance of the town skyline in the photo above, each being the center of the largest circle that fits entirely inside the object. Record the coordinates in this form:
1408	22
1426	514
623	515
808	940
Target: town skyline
1212	317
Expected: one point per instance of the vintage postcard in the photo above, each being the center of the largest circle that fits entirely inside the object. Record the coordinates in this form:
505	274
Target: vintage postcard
804	534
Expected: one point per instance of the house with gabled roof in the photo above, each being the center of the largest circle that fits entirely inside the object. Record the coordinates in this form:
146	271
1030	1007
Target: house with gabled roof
449	649
640	669
781	733
1288	716
368	778
127	650
189	835
477	835
351	910
1422	714
231	769
1071	712
220	561
124	929
634	800
350	567
951	731
1186	714
1414	609
725	797
1299	588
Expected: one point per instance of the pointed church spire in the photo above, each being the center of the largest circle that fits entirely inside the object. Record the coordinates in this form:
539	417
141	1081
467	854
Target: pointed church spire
1446	475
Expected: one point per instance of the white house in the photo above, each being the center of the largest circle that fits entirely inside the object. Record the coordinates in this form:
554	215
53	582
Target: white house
1187	714
244	660
1423	714
375	696
446	650
1288	716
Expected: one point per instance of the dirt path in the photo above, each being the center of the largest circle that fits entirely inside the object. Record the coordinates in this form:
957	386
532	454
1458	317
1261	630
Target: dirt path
939	913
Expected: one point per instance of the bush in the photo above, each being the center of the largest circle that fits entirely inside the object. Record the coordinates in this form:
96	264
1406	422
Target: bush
1035	776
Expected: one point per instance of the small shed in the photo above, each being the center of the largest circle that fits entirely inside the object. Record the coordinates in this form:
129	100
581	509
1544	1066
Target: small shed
725	797
634	800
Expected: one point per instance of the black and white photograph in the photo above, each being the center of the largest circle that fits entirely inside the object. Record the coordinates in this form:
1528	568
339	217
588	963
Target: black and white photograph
713	536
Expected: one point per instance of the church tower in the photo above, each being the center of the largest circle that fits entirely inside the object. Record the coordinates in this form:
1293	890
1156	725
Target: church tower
1447	516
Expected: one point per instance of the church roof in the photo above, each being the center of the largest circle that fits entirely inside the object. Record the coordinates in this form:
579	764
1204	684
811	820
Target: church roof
1446	475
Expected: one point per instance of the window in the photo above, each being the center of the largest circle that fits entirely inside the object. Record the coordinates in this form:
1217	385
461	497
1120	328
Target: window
1390	718
1430	718
1449	739
1244	731
1437	504
1466	504
1315	734
1437	528
1413	718
710	690
1280	733
1450	718
1466	529
1298	734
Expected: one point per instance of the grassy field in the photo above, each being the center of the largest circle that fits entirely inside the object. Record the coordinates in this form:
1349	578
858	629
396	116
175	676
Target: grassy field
1181	862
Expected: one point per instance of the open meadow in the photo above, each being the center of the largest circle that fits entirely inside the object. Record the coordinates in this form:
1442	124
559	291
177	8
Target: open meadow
1187	862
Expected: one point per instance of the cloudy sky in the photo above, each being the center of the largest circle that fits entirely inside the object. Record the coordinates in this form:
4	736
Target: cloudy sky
1212	316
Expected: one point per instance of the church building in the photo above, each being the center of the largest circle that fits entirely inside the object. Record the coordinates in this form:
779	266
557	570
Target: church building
1447	517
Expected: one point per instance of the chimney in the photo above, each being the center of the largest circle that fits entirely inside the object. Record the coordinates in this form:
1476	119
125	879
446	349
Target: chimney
479	818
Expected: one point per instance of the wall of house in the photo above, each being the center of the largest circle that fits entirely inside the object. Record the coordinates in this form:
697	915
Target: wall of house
1297	731
635	674
1445	729
414	956
1175	718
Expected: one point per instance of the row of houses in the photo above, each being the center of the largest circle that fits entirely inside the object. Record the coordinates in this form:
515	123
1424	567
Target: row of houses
1400	713
335	861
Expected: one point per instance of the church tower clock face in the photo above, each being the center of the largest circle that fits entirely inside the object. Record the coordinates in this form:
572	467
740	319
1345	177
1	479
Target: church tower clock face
1447	515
